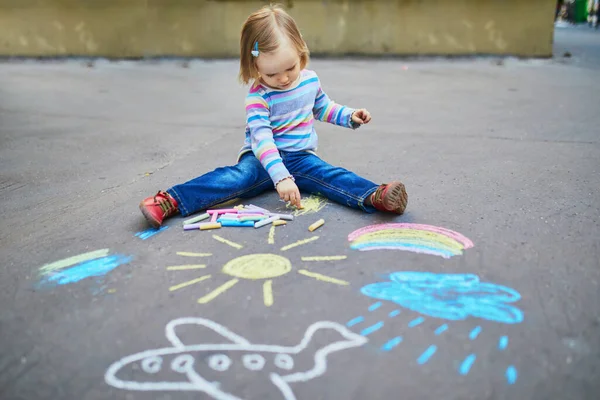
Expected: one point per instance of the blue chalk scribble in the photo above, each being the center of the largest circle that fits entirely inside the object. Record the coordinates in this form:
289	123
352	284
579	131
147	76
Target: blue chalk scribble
394	313
474	333
503	342
372	328
511	375
354	321
423	358
466	365
375	306
449	296
415	322
390	344
150	232
441	329
98	267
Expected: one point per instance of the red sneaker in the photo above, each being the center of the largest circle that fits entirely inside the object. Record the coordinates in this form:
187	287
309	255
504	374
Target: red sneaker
158	207
390	197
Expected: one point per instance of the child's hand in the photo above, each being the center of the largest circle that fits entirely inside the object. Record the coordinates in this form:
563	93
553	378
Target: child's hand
361	116
288	191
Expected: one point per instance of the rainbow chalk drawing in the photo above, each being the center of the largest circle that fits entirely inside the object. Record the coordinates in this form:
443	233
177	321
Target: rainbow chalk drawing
263	267
76	268
417	238
214	368
451	297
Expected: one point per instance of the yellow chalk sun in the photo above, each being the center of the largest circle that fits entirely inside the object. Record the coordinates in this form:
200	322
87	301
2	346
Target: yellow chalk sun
258	266
253	267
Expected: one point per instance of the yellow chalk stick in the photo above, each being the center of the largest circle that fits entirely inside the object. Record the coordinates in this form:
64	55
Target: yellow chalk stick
316	225
210	225
279	222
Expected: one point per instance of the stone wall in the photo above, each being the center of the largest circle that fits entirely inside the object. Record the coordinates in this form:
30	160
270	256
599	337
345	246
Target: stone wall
210	28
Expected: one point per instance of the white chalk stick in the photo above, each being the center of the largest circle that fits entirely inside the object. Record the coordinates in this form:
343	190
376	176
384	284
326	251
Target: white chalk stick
252	206
287	217
265	222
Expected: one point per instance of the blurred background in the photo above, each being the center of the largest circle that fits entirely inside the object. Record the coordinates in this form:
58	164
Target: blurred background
210	28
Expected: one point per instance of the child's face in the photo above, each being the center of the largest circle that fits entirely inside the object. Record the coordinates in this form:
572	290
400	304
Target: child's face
279	69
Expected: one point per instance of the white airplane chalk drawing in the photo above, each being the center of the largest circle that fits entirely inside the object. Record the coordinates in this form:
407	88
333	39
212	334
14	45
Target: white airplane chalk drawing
200	367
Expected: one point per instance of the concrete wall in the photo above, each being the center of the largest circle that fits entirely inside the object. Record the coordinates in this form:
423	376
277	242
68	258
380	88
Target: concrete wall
210	28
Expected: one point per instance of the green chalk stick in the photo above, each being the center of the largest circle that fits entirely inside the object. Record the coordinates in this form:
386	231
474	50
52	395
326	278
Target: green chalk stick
196	219
253	218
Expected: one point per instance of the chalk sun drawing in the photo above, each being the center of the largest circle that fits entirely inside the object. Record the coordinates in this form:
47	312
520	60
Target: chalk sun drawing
417	238
253	267
212	367
74	269
448	296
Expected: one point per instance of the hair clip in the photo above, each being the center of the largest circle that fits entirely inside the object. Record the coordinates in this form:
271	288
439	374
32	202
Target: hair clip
255	51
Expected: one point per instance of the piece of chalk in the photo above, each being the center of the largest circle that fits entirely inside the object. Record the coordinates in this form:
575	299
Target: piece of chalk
316	225
222	211
231	222
253	218
189	227
214	217
265	222
209	225
228	216
196	219
251	211
241	215
279	222
252	206
287	217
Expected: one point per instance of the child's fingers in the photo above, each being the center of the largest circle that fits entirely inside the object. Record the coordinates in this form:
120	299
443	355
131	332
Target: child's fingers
298	200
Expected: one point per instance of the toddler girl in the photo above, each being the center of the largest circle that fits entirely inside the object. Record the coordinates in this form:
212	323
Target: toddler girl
282	104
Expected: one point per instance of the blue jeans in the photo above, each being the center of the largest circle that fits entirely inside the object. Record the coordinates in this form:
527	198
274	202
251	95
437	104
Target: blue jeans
248	178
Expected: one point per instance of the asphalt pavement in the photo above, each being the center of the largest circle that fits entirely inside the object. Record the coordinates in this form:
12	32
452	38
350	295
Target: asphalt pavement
486	288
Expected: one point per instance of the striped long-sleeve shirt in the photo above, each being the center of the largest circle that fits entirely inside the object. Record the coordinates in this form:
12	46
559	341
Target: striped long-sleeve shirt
284	120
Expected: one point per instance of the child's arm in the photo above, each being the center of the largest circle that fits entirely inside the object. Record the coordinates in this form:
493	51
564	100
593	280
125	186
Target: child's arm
265	149
327	110
261	137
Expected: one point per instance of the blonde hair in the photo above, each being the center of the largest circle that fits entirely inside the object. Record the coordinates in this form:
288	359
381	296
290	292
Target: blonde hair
265	27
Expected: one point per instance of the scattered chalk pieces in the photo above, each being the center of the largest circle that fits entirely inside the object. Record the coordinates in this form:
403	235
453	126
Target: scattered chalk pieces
240	216
316	225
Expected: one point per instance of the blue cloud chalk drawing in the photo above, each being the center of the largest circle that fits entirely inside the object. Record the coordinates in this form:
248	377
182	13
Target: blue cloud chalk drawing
74	269
214	368
448	296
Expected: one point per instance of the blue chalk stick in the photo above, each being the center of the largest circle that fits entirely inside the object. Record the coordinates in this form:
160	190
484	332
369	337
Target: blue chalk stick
232	222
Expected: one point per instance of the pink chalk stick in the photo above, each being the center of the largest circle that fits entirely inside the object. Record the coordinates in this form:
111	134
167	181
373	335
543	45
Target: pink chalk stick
214	217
